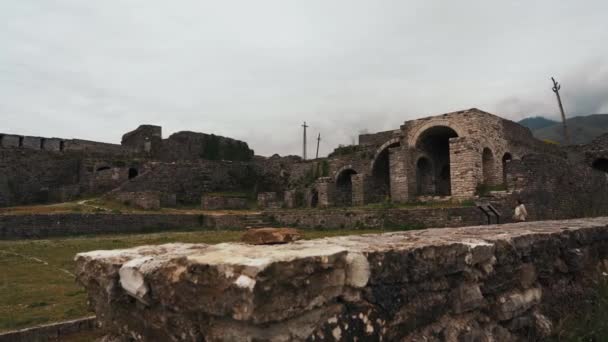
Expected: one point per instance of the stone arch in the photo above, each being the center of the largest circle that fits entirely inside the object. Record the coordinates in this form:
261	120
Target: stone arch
133	172
434	144
391	143
420	130
488	167
380	170
342	169
600	164
344	186
424	176
507	157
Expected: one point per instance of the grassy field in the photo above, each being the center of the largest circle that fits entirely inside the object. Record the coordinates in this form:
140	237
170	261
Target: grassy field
36	281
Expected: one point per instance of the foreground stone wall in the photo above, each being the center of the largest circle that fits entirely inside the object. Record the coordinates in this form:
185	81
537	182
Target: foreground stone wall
500	283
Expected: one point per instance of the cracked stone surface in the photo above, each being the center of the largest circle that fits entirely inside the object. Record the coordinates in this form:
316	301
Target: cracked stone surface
475	283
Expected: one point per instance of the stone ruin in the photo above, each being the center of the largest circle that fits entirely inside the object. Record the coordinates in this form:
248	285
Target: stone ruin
507	283
447	157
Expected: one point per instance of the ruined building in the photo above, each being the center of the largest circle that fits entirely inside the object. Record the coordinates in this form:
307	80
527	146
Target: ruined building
452	156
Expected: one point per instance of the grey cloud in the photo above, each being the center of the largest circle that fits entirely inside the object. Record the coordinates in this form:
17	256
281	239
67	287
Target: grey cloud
255	70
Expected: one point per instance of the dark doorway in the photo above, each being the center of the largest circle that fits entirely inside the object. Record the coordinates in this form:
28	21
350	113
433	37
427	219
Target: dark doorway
435	144
344	187
600	164
381	173
424	177
314	198
133	173
505	159
488	167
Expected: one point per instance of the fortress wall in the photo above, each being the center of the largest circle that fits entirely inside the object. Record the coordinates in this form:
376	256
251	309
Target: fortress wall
189	180
553	188
503	283
29	176
42	226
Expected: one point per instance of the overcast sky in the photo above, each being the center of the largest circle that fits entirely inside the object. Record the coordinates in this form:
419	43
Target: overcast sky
254	70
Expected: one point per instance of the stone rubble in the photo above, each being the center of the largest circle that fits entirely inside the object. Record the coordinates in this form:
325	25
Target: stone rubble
270	236
488	283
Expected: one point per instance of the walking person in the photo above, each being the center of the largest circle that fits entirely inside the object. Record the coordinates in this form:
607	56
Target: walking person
520	212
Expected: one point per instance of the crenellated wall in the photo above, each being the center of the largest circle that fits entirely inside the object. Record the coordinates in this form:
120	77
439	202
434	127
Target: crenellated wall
494	283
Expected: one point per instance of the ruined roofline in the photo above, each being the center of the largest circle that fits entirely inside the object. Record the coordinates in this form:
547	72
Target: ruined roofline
460	112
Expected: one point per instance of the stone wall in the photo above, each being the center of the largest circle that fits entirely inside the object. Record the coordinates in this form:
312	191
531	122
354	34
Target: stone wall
553	188
145	139
378	218
42	226
50	332
190	180
193	146
28	176
214	202
463	284
147	200
377	139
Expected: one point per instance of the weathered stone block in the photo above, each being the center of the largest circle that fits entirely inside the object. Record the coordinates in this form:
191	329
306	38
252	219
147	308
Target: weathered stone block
395	286
212	202
266	198
270	236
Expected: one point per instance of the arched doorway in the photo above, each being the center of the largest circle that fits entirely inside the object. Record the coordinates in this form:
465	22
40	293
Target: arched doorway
434	143
344	187
381	170
487	166
133	172
314	198
505	159
600	164
424	177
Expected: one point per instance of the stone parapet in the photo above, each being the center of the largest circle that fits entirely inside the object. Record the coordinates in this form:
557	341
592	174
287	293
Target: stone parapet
502	283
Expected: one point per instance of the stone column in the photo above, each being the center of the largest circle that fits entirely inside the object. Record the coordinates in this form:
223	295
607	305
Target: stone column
326	188
290	198
465	167
398	174
358	182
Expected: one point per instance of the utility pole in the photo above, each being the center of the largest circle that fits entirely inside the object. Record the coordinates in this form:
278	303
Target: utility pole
556	88
318	141
304	144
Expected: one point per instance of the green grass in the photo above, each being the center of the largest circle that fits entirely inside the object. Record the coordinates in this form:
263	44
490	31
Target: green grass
36	286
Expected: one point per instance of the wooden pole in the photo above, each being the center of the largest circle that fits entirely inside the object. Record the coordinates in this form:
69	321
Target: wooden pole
318	141
556	88
304	142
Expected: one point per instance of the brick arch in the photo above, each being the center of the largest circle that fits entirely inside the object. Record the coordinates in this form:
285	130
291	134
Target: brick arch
342	169
413	138
380	149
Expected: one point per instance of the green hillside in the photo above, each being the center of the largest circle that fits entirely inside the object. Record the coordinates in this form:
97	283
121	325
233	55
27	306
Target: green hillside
537	122
583	129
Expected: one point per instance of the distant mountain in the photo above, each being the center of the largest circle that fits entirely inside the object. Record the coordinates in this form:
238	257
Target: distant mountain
537	122
582	129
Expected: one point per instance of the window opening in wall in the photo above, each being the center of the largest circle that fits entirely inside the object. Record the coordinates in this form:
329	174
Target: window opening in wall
133	172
